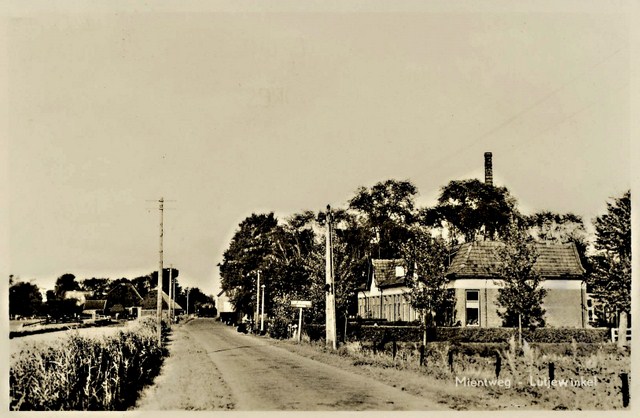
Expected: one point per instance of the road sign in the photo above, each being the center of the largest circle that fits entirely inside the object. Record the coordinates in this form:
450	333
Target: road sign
301	303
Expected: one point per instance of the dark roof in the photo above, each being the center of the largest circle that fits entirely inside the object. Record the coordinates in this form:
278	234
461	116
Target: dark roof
384	273
94	304
128	286
479	259
151	301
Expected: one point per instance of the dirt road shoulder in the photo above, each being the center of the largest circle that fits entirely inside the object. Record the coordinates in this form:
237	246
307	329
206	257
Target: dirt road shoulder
189	380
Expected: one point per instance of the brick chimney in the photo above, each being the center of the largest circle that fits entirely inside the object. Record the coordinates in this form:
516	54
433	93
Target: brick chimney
488	169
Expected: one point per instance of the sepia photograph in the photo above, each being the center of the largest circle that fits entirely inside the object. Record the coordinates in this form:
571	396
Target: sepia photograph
318	206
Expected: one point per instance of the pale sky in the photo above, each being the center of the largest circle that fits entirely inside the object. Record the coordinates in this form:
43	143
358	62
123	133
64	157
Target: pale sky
230	113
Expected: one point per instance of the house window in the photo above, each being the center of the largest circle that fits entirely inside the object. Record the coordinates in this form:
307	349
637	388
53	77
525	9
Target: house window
472	308
399	271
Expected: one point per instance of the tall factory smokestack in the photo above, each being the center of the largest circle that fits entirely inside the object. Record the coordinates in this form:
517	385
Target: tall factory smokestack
488	169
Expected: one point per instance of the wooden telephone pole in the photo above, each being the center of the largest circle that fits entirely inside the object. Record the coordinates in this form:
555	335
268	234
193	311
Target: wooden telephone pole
159	304
171	295
330	297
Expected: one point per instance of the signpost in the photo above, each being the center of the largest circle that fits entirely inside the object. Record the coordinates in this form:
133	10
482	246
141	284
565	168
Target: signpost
300	304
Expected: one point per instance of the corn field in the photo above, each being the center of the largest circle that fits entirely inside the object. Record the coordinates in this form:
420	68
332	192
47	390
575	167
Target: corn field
83	373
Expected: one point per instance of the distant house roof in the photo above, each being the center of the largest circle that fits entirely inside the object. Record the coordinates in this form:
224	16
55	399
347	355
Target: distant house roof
479	259
389	273
90	305
151	301
124	294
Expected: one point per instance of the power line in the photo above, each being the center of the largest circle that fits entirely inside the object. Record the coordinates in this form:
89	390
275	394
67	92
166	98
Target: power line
526	110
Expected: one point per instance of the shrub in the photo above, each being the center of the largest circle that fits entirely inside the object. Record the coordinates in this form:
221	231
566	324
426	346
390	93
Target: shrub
383	333
81	373
315	332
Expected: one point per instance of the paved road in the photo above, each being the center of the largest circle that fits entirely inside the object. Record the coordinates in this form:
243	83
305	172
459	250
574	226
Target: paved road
213	367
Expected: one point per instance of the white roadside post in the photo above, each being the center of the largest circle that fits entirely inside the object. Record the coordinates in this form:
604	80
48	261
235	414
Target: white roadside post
300	304
257	317
262	314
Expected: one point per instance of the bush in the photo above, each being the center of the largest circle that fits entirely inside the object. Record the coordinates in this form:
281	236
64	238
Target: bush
315	332
566	335
385	333
279	328
84	373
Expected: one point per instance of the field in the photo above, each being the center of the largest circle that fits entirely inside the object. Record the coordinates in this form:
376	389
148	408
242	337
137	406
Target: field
89	369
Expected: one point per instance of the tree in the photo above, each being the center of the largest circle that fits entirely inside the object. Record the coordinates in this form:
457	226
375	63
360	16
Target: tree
97	286
25	299
198	301
166	272
122	294
387	209
248	253
520	296
65	283
143	284
427	260
470	208
610	280
560	228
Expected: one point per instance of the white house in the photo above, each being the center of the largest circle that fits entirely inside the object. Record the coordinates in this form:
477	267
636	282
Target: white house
385	294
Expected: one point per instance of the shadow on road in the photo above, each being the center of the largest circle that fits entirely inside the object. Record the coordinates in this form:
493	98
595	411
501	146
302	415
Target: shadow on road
235	348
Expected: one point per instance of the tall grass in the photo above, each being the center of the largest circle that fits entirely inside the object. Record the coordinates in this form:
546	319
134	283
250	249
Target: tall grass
527	367
82	373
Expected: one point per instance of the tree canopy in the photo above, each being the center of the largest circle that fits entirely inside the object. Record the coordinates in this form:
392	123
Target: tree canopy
610	280
427	259
468	208
248	253
25	299
65	283
520	296
387	210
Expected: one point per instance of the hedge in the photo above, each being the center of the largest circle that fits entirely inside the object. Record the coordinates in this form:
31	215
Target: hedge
382	333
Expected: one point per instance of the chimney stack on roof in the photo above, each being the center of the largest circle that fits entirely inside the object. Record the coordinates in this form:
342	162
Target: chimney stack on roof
488	169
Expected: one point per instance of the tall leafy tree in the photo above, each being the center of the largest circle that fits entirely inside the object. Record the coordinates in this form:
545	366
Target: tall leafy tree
386	210
521	295
249	252
470	208
198	301
610	280
65	283
560	228
25	299
427	260
98	286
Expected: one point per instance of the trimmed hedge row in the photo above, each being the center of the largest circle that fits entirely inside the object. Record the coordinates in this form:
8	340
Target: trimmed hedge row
357	332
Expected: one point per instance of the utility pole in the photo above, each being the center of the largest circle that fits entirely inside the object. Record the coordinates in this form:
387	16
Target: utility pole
257	317
330	297
171	307
262	315
174	297
159	305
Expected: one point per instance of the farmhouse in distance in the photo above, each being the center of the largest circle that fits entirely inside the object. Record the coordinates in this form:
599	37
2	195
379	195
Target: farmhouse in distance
474	282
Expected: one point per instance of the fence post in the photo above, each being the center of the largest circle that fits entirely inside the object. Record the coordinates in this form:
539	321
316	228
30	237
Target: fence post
422	355
450	360
395	348
552	371
625	389
498	364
